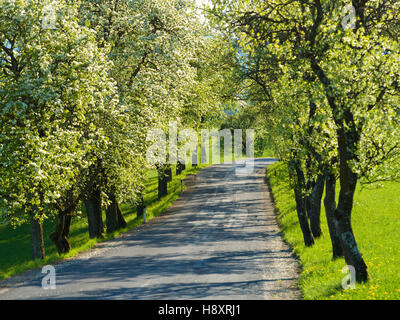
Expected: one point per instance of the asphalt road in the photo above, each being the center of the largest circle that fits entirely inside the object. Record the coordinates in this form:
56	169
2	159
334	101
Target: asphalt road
220	240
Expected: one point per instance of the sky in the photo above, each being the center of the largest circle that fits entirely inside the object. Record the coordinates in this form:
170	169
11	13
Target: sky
200	4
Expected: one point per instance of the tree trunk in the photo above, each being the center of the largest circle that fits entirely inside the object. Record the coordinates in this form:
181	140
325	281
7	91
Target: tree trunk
182	166
121	220
315	206
309	188
351	251
111	215
333	224
37	241
95	214
307	201
140	207
60	236
301	204
114	218
348	138
162	183
168	173
178	168
301	214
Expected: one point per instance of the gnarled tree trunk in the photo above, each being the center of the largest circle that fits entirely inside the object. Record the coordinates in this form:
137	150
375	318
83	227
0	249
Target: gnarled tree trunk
333	224
315	206
37	241
162	182
95	214
350	248
301	203
178	168
307	199
140	206
121	220
114	218
66	207
302	216
168	173
60	236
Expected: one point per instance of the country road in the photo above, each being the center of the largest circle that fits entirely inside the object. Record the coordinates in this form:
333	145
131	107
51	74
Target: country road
220	240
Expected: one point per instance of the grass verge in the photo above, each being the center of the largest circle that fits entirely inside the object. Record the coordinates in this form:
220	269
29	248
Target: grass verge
376	224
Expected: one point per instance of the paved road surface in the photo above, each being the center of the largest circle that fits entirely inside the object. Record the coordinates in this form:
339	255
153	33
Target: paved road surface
219	241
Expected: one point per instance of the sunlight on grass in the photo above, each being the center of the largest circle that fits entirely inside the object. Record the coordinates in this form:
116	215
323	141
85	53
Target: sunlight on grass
376	224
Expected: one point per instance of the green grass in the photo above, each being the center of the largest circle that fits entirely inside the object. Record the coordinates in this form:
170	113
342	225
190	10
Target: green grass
376	224
15	251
